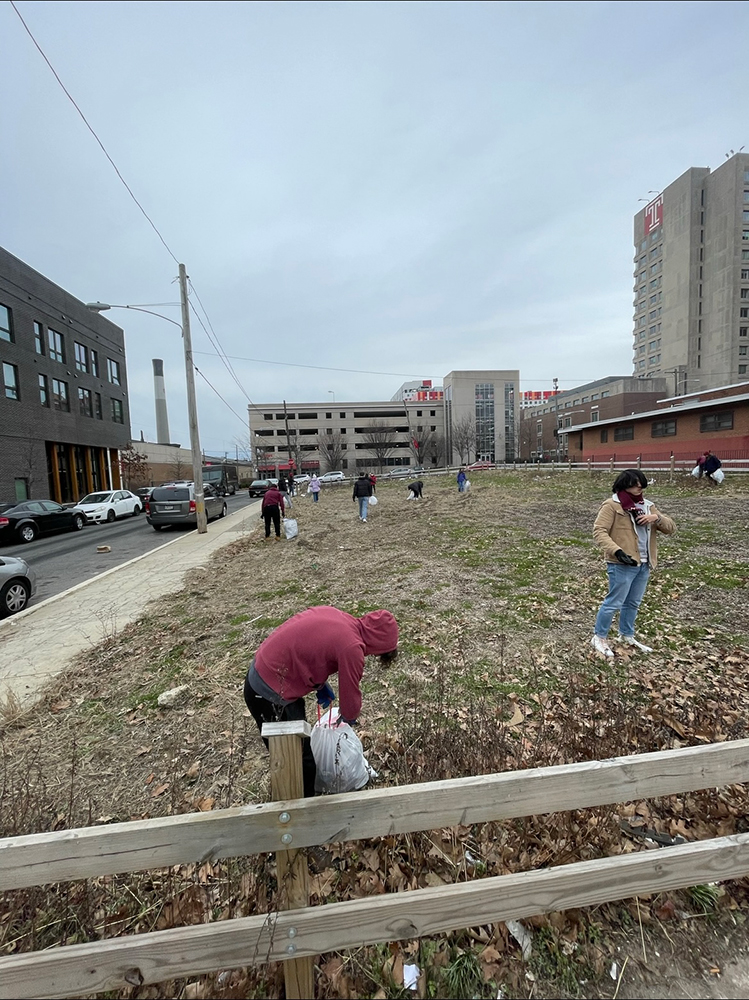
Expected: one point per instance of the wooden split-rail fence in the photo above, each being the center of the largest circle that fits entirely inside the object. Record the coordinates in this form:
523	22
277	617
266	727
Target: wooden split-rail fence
297	932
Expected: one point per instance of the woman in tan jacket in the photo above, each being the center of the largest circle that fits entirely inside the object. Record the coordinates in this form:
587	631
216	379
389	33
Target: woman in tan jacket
626	529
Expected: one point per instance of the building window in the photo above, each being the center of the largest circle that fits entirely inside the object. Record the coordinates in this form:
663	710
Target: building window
81	357
745	293
43	390
267	416
745	234
56	346
746	215
720	421
60	399
624	433
10	381
97	406
6	324
113	371
742	350
745	273
342	416
605	393
594	414
745	254
94	362
663	428
742	369
117	412
85	403
604	435
39	338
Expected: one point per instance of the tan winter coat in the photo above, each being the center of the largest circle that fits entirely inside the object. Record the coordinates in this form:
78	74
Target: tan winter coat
614	529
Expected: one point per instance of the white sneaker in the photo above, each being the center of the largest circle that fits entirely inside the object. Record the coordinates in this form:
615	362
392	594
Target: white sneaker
629	640
364	519
601	646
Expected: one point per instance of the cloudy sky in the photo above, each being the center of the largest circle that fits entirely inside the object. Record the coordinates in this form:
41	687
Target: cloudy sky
403	189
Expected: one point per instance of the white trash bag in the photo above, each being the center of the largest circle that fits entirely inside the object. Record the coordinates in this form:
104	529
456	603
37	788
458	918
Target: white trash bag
696	471
290	527
719	475
467	485
373	501
339	756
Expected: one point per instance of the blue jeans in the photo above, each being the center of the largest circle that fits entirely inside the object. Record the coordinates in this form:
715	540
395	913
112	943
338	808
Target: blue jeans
626	590
315	495
363	507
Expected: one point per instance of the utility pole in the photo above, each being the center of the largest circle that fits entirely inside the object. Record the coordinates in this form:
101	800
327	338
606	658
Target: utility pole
555	383
192	409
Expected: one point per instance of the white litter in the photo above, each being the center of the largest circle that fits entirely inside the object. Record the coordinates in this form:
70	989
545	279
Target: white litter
523	937
614	971
411	974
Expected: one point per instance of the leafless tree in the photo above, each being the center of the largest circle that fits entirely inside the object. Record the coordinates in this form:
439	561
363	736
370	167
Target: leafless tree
262	454
331	448
134	468
464	438
179	468
31	465
421	444
379	439
524	435
436	449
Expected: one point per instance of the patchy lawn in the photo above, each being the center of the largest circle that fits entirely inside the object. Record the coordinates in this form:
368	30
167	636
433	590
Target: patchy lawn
495	592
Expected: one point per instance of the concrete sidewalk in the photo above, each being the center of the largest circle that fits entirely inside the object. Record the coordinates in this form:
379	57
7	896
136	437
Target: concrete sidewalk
41	641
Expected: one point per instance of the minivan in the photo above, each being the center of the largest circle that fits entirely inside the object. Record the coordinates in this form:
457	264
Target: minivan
175	504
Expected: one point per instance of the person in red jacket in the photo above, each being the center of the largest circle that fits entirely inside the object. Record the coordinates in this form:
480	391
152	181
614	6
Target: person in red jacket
272	509
302	654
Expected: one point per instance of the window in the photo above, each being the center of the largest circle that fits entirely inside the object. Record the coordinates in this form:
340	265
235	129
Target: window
624	433
342	416
742	369
720	421
641	364
746	177
10	381
60	399
43	390
84	402
604	435
605	393
113	372
432	413
6	326
743	331
663	428
742	351
56	346
745	215
745	273
594	414
745	234
308	416
81	357
745	293
94	362
266	433
745	254
39	338
267	416
328	416
97	406
117	412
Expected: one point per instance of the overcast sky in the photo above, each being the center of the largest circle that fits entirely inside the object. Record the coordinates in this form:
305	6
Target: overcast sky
404	188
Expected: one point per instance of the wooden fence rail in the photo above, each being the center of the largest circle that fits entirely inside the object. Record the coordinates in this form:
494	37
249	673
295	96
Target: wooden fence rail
288	825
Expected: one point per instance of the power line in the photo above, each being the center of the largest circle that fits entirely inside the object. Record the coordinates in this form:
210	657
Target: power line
69	96
213	337
321	368
210	384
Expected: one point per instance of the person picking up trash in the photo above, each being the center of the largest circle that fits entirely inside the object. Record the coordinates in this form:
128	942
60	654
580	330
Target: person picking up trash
300	657
363	490
416	490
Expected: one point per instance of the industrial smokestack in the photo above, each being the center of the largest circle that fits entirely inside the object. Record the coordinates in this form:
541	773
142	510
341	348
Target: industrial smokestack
162	419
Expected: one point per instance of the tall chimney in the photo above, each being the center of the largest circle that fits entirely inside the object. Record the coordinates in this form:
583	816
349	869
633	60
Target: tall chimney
162	419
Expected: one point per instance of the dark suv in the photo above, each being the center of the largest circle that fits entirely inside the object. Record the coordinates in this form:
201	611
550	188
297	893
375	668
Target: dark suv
175	504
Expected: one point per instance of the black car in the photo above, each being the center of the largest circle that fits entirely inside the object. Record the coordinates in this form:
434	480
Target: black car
145	495
23	522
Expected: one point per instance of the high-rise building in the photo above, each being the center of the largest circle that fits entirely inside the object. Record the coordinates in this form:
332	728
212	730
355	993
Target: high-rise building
691	318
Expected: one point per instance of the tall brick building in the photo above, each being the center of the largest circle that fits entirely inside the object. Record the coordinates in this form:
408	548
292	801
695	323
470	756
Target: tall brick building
64	412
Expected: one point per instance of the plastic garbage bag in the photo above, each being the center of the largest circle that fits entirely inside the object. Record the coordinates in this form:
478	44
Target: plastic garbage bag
696	471
339	756
719	475
290	527
373	501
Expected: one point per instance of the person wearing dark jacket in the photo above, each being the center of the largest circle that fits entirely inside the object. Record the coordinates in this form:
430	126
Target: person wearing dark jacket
711	464
363	490
272	509
301	655
416	488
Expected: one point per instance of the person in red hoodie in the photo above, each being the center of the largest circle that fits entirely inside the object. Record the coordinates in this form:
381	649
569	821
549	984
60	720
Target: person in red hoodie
272	508
302	654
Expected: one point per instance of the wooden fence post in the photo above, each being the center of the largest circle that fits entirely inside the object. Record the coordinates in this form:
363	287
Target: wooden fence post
639	461
611	466
285	746
673	468
590	466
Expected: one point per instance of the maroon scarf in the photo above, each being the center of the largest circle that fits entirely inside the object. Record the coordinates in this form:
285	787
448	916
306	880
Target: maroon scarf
629	503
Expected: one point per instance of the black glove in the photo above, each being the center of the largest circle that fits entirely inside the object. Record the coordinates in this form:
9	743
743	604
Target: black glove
624	559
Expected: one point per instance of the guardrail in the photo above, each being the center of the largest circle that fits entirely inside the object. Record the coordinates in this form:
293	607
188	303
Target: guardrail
296	932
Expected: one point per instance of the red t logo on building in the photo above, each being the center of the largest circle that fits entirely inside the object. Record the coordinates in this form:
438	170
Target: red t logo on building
653	214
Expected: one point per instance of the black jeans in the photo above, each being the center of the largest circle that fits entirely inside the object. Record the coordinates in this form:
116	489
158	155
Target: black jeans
263	710
272	513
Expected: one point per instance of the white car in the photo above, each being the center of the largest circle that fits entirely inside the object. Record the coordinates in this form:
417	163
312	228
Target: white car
110	504
332	477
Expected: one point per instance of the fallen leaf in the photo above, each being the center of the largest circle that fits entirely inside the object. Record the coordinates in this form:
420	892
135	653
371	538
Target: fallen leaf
159	790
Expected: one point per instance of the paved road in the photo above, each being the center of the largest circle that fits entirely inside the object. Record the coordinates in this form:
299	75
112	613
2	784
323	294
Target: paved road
61	561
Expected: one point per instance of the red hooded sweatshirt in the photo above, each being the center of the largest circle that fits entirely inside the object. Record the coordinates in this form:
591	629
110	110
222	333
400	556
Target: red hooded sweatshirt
300	655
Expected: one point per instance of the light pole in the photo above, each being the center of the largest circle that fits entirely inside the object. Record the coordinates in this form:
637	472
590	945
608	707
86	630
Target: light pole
192	409
331	393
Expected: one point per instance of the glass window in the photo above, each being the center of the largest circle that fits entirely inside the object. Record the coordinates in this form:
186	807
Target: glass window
745	215
85	403
56	345
117	411
113	371
743	331
605	393
663	428
43	390
745	273
604	435
742	369
10	381
745	293
38	338
745	254
745	234
94	355
6	324
97	406
624	433
742	350
81	357
720	421
60	399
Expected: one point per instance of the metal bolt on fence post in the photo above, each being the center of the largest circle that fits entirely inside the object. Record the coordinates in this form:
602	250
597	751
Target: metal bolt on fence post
284	818
286	838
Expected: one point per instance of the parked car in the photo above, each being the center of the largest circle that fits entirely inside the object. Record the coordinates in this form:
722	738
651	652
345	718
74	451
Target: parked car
23	522
109	505
17	585
482	465
258	487
401	473
175	504
144	495
302	480
332	477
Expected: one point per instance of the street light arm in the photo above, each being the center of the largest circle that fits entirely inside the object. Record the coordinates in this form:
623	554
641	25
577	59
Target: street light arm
103	306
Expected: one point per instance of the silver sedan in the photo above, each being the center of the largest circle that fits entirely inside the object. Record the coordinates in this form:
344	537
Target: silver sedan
17	585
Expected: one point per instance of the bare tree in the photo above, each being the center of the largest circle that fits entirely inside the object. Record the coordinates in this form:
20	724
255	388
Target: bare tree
421	444
524	434
436	449
178	468
331	447
464	438
262	454
379	439
32	465
134	468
